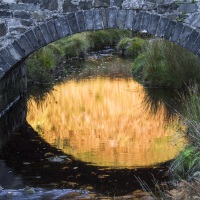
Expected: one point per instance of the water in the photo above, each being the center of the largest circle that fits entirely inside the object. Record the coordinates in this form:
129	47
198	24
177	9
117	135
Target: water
94	132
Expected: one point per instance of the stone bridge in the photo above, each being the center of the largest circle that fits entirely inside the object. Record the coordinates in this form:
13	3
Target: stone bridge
27	25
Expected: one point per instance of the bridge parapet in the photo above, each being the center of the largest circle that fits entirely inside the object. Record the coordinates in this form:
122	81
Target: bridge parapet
16	16
27	25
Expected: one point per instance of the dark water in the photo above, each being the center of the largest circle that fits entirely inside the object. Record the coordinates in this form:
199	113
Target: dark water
98	131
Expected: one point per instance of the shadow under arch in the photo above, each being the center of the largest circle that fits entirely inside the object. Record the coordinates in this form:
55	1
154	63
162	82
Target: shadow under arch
27	154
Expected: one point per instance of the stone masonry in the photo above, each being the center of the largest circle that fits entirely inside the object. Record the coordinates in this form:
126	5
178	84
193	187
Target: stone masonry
27	25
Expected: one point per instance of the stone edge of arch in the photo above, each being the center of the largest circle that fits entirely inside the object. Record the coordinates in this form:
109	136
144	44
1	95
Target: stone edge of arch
97	19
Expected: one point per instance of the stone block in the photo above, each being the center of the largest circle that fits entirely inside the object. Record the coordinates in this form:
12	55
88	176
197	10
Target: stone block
112	16
52	30
32	40
22	14
138	21
173	6
89	22
98	20
145	22
121	18
188	8
183	38
3	66
4	6
104	15
85	5
7	57
3	29
68	6
28	1
14	52
191	41
196	48
5	13
23	7
162	26
46	33
130	19
117	3
162	8
81	20
153	25
73	23
49	5
19	49
27	22
58	27
40	36
169	29
101	3
177	31
65	26
24	43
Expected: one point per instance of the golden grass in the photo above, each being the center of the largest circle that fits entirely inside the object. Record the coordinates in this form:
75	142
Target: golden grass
103	121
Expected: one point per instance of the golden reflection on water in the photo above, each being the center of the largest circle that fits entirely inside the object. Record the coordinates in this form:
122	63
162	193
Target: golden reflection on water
103	121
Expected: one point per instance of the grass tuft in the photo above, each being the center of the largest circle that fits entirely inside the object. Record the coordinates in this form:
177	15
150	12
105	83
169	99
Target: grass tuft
164	64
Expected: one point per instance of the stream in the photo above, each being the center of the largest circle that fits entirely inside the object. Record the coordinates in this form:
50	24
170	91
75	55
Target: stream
97	134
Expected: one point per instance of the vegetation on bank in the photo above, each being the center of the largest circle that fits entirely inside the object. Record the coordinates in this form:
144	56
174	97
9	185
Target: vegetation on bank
42	66
164	64
187	162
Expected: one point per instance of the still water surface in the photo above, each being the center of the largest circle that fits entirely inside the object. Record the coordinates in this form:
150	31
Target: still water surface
94	131
103	121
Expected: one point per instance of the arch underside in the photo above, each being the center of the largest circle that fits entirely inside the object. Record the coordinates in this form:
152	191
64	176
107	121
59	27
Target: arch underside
97	19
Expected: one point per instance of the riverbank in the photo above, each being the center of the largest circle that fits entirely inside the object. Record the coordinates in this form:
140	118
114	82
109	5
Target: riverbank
165	65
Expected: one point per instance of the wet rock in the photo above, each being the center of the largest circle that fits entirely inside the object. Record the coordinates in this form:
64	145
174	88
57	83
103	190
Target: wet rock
196	176
29	190
56	159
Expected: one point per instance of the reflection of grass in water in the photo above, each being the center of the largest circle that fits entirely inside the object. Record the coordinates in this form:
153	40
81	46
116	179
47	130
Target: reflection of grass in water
109	66
113	122
171	100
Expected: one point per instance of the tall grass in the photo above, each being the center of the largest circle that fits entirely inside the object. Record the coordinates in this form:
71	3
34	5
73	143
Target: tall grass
164	64
188	162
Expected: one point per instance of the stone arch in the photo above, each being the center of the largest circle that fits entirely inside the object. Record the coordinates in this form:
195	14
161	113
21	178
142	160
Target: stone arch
97	19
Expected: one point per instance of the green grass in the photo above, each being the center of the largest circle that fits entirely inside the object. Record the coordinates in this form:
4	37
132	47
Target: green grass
130	46
164	64
188	162
43	64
